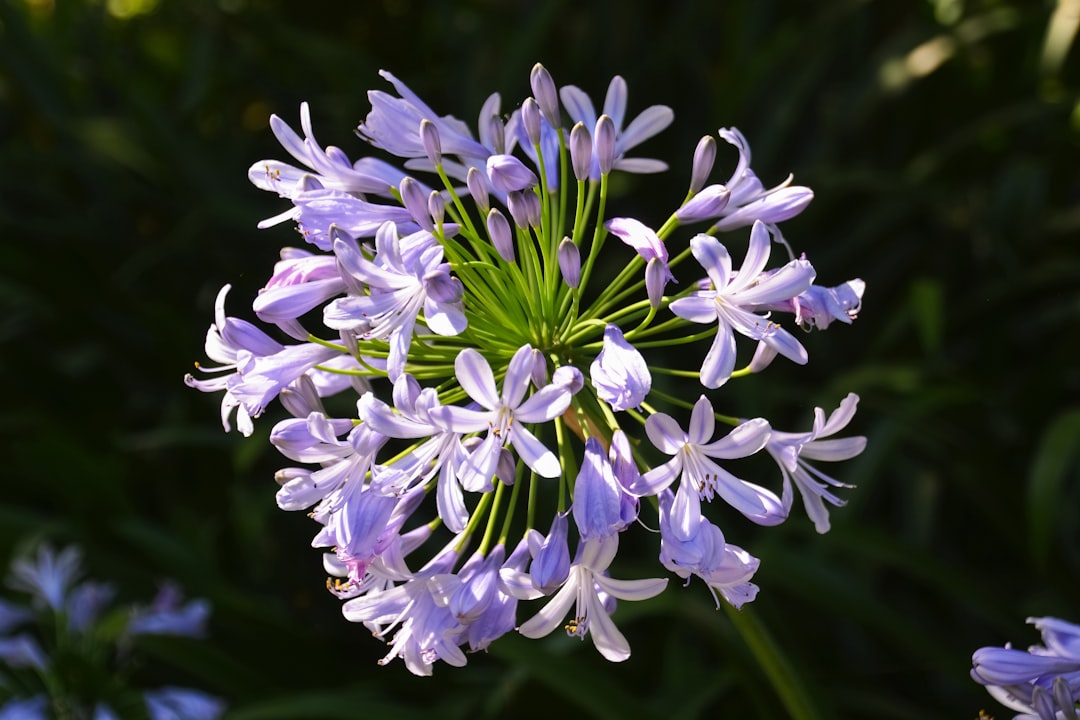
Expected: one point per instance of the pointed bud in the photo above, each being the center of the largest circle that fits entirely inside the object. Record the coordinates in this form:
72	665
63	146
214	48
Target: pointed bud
570	262
704	157
412	197
478	189
501	236
530	118
524	207
547	97
429	138
506	468
551	556
706	205
301	398
581	151
497	132
604	144
539	369
436	207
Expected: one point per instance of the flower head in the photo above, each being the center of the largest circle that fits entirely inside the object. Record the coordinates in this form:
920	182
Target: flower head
505	357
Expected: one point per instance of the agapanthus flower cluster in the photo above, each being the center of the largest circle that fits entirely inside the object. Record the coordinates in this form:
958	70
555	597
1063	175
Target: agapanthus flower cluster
1043	682
525	378
67	649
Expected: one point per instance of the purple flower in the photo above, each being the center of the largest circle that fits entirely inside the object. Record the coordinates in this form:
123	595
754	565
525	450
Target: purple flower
319	212
650	122
792	450
394	125
228	341
508	174
705	205
597	495
701	478
50	577
427	630
651	249
732	298
330	168
440	452
398	293
750	202
23	651
174	703
584	588
619	372
504	415
551	555
499	616
300	283
1044	681
724	568
168	615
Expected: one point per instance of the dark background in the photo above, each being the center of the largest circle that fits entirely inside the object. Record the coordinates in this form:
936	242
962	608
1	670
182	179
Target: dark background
942	140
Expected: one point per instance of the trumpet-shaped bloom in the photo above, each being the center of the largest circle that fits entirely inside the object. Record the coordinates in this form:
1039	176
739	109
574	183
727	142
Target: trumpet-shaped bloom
792	450
651	121
504	415
398	293
725	568
584	589
731	301
699	477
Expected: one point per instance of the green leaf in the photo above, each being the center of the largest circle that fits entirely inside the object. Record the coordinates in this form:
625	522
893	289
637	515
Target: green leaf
1057	454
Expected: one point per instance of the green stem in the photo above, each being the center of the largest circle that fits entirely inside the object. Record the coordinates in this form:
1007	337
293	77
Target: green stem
779	670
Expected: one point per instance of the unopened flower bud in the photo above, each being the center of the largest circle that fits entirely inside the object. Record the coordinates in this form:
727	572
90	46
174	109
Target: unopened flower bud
604	144
704	157
539	368
508	174
530	118
547	97
429	137
436	207
506	468
707	204
501	236
412	197
570	262
301	398
478	189
497	132
581	151
524	207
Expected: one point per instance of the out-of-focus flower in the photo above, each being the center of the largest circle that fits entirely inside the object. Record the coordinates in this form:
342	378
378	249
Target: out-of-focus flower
70	618
1042	683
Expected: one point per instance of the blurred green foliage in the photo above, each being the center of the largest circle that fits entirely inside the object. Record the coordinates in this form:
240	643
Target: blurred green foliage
942	139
